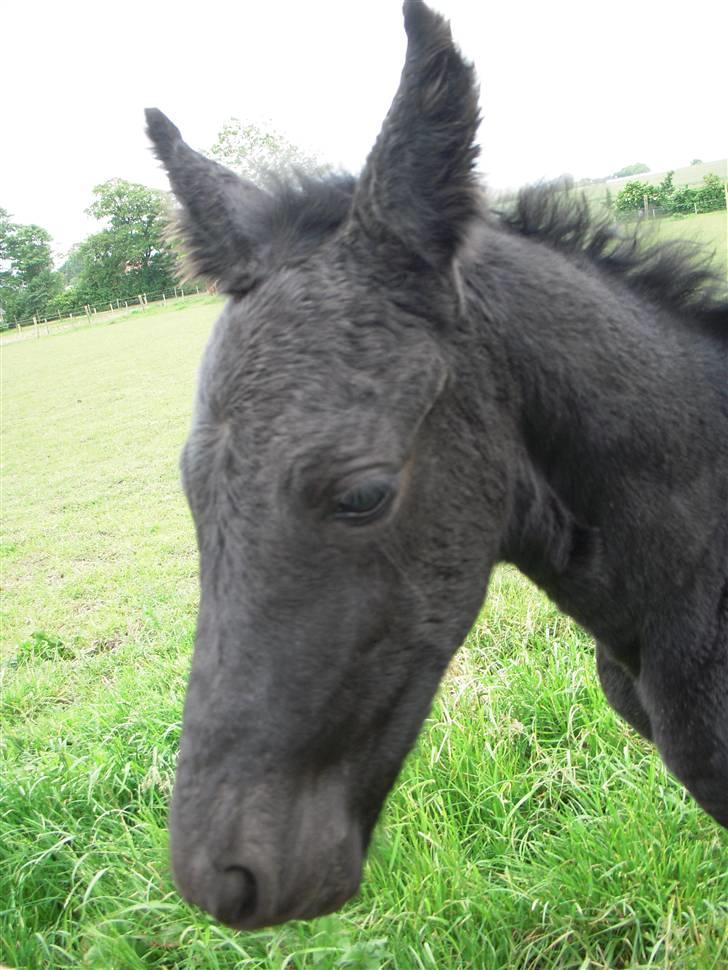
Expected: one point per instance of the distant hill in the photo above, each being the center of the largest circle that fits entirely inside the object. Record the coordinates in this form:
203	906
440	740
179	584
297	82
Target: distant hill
688	175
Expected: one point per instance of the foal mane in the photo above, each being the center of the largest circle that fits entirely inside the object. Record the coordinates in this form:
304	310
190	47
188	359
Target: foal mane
677	274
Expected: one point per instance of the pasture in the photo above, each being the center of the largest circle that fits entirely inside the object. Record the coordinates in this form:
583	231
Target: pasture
529	829
709	228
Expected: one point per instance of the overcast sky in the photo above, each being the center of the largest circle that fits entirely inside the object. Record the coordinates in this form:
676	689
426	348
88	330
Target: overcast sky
566	86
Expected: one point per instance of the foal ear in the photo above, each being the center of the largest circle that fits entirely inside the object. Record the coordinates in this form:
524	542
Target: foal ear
217	205
418	191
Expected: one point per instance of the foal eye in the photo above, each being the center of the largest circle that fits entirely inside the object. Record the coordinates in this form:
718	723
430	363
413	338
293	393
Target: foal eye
364	502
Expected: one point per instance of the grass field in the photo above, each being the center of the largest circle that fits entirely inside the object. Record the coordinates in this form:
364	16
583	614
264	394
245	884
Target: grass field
530	829
708	228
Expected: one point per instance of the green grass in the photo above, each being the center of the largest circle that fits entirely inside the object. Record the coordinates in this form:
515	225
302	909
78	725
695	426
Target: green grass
708	228
531	829
96	537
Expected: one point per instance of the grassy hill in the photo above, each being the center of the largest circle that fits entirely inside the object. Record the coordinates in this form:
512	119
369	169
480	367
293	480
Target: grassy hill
691	175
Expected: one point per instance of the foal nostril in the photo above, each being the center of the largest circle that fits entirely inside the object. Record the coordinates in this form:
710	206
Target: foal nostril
237	895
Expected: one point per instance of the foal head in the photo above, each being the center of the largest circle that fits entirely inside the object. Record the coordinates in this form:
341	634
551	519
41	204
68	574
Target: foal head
345	539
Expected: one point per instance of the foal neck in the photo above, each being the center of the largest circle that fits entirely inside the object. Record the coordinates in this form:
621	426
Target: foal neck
619	469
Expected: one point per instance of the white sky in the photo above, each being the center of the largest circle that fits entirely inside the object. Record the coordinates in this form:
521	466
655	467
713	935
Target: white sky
566	86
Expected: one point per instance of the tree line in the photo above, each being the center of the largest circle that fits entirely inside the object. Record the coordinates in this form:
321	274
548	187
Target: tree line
131	253
669	198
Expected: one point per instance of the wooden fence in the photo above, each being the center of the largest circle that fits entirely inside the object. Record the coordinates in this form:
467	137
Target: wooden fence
38	327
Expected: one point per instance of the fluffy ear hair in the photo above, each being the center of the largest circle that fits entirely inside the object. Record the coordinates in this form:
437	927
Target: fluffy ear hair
418	193
218	209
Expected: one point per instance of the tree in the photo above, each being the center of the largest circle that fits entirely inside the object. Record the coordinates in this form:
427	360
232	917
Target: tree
5	230
38	294
638	168
666	188
72	266
712	194
684	200
252	151
680	201
697	161
5	225
130	254
663	194
632	197
135	236
27	278
29	250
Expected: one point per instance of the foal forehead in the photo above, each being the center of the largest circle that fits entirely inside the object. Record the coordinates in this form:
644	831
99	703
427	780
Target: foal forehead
299	346
296	410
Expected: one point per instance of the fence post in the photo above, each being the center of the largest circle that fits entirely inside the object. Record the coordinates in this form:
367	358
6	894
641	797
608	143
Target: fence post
164	300
19	330
35	325
141	302
126	304
111	307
